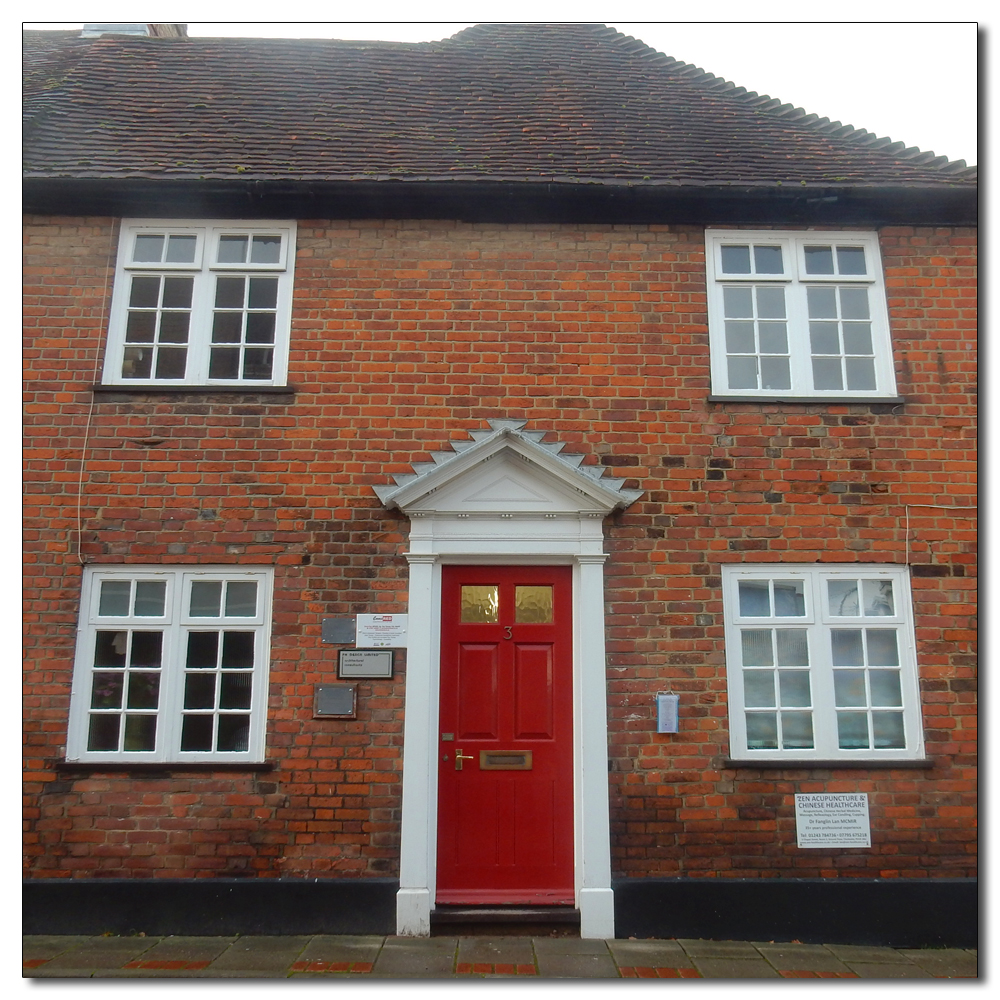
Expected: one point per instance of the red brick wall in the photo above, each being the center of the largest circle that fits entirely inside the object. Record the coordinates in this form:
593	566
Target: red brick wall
406	335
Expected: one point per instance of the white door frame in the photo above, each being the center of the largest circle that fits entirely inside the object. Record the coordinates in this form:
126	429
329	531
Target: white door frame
506	500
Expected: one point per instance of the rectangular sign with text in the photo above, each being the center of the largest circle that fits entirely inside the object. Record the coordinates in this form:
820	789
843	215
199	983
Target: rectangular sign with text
832	820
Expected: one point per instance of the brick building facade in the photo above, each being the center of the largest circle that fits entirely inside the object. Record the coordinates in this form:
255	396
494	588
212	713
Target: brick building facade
497	330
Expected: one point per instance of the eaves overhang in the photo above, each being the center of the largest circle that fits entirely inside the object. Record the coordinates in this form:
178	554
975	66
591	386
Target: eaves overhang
539	201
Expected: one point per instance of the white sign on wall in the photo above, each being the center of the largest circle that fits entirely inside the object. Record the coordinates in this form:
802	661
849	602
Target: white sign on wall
375	631
832	820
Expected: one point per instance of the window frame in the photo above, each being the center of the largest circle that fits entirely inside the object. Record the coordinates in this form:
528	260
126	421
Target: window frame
819	623
175	623
796	281
203	269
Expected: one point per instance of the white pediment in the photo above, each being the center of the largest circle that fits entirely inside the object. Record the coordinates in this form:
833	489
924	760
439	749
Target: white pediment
507	471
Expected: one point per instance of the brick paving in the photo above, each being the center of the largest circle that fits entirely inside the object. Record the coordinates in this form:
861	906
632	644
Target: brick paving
372	956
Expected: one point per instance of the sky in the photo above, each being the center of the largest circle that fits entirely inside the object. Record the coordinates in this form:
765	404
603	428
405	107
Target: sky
912	81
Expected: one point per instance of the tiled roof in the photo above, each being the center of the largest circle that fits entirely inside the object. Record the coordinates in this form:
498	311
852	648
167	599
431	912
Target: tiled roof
570	103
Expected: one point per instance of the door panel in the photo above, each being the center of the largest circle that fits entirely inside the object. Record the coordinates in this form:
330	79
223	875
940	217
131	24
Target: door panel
505	833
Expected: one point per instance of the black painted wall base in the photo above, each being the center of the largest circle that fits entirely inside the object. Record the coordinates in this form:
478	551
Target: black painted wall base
210	906
901	913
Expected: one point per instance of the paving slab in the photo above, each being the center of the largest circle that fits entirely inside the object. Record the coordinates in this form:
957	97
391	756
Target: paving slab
505	950
945	962
736	968
260	953
578	966
701	948
102	953
178	948
802	958
38	946
569	946
866	953
336	948
406	957
649	955
888	970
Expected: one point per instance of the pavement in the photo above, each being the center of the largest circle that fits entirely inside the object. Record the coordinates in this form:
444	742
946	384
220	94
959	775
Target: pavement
325	956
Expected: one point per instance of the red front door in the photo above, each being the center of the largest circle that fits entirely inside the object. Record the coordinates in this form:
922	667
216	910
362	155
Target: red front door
505	817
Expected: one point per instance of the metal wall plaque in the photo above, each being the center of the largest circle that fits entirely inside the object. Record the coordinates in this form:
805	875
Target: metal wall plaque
666	712
335	701
364	663
340	630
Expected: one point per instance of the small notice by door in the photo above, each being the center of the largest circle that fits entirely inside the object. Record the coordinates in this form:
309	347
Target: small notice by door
375	631
832	820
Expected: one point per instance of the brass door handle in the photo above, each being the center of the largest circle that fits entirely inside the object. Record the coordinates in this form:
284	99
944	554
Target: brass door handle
459	757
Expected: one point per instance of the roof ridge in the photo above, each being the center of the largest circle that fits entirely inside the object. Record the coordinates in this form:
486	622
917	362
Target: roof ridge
774	106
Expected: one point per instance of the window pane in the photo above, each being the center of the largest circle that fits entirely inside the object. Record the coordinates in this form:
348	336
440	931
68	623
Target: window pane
735	260
822	303
140	328
260	328
267	250
258	362
241	599
263	293
819	260
789	598
882	649
236	690
774	373
860	373
773	338
767	260
885	688
225	363
147	649
177	293
757	651
174	327
227	327
796	731
887	728
479	603
843	596
171	362
206	599
145	293
107	690
851	260
533	604
143	690
233	249
115	597
846	647
148	249
771	303
739	337
137	363
857	338
180	249
827	374
196	732
203	649
849	688
110	649
852	730
237	649
793	649
824	338
234	733
199	691
758	688
742	373
150	596
140	732
229	293
854	303
755	599
762	731
794	688
878	597
103	732
738	303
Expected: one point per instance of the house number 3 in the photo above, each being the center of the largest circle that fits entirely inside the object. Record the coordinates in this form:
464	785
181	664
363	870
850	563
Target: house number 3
508	634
